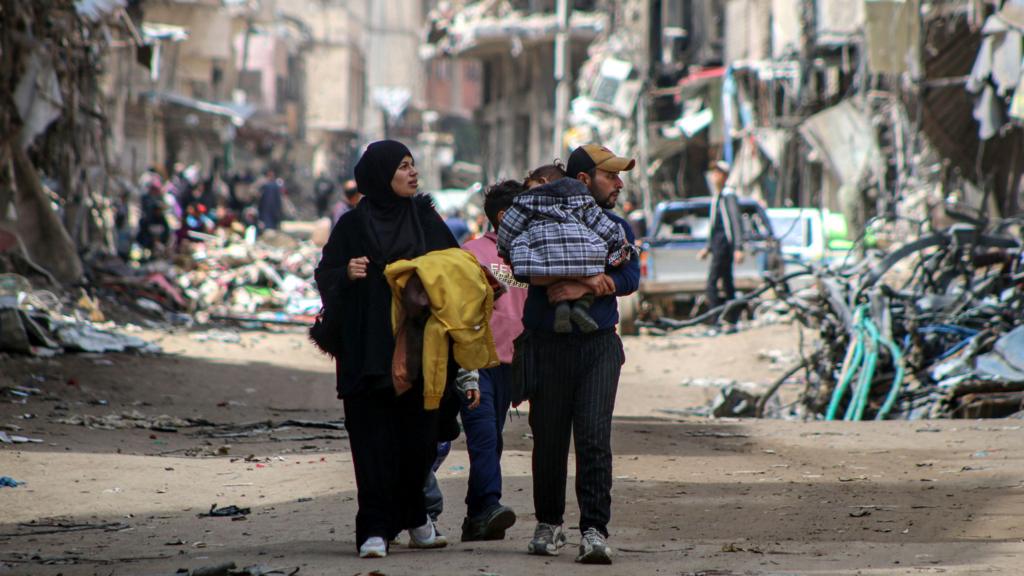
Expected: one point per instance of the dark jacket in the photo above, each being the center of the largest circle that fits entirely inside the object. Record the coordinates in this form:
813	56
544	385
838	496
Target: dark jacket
364	306
725	233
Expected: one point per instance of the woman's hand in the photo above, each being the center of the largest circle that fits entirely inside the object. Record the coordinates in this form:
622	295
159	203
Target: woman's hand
357	267
473	396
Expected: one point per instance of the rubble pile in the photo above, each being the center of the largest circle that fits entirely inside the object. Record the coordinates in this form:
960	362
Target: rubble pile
225	278
265	280
931	329
37	322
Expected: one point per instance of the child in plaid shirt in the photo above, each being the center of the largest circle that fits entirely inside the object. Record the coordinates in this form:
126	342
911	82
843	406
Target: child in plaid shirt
556	229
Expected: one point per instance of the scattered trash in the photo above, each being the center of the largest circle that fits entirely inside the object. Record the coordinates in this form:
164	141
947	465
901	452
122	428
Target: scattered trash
218	336
60	527
8	482
734	402
269	427
225	511
9	439
225	569
35	322
133	419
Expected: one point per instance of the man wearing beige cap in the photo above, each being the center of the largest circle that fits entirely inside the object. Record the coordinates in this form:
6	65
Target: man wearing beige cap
576	376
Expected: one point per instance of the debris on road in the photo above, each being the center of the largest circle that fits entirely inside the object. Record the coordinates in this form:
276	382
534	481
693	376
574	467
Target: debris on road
133	419
224	512
6	438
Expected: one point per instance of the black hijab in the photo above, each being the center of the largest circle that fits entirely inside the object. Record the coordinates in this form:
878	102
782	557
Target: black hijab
392	224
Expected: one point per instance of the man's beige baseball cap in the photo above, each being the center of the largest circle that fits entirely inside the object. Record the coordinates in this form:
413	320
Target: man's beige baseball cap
589	156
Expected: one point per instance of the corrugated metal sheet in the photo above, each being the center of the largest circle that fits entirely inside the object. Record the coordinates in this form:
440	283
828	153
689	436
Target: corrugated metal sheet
947	110
948	123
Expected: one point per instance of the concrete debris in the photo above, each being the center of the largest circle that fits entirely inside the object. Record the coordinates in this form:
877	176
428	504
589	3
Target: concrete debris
226	277
35	322
133	419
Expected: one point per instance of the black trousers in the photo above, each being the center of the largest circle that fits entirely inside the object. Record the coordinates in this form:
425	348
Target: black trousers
394	443
577	376
721	269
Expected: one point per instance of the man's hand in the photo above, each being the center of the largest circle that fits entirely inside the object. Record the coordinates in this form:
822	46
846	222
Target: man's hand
357	268
738	257
568	290
703	254
602	284
473	396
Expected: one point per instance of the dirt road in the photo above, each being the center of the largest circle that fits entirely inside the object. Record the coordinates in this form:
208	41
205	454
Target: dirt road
691	496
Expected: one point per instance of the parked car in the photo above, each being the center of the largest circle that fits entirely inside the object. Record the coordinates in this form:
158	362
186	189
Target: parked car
671	274
809	234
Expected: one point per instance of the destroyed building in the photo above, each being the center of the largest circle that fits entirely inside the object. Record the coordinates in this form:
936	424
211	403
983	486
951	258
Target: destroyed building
514	44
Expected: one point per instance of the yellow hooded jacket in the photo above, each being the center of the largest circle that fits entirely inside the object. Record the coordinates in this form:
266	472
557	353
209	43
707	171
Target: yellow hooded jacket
461	303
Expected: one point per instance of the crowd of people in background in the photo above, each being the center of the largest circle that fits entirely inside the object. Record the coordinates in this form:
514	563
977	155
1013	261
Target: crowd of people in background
178	209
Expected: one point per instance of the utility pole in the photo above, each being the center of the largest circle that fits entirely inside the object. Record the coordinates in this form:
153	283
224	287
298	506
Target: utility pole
640	114
563	77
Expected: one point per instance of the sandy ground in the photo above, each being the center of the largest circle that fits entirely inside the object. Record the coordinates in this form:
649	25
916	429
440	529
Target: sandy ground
691	496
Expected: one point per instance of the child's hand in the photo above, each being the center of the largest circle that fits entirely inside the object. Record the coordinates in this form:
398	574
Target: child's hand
473	396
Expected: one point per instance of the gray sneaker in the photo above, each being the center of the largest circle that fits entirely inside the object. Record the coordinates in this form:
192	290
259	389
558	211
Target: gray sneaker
594	549
547	539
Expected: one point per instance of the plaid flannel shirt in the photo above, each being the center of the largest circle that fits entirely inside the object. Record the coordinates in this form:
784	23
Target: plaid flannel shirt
558	230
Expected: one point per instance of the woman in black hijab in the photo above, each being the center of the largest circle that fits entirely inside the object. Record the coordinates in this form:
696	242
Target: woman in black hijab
393	439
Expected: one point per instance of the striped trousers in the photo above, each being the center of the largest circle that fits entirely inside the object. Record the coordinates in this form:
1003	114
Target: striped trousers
577	376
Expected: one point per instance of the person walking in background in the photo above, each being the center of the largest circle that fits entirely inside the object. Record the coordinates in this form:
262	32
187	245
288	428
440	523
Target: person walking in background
486	517
271	203
724	243
350	199
576	377
457	224
323	190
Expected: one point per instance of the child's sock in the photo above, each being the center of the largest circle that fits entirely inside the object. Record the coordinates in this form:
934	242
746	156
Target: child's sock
563	322
581	314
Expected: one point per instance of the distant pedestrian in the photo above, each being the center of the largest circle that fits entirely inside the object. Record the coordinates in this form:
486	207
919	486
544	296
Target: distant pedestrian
323	190
271	204
350	199
576	376
724	243
457	224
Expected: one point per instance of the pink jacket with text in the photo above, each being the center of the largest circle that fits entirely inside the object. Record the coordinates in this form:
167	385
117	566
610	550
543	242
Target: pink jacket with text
507	320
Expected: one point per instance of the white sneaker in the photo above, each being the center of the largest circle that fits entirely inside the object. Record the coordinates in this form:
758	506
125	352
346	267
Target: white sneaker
374	547
427	536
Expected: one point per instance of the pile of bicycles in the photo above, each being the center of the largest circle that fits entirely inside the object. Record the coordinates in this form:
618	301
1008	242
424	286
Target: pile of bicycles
932	329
